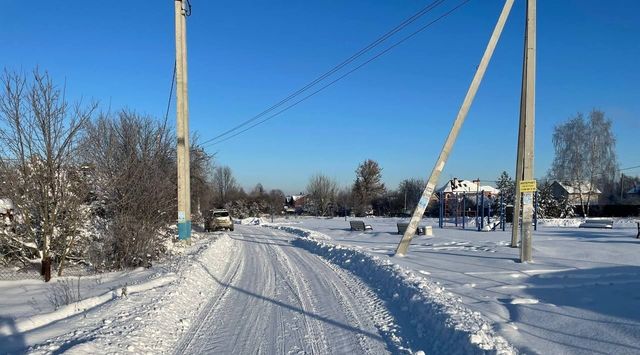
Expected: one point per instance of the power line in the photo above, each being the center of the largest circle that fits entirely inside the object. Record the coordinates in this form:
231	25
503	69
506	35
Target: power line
210	141
173	80
617	170
346	62
629	168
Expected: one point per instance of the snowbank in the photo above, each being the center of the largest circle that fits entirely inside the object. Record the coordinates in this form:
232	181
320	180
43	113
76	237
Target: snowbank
251	221
575	222
149	318
435	319
30	323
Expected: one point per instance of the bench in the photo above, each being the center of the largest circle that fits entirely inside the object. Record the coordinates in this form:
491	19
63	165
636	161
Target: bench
597	223
359	226
424	230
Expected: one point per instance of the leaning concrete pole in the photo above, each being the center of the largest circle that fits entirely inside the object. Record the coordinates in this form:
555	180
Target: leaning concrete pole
517	197
403	246
182	125
530	96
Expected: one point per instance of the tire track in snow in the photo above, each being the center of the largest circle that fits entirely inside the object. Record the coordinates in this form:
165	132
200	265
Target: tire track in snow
303	294
207	316
277	298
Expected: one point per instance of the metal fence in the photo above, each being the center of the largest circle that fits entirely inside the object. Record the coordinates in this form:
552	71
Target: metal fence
32	272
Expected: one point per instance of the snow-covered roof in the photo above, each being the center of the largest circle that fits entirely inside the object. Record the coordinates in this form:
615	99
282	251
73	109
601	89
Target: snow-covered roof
460	186
575	188
5	204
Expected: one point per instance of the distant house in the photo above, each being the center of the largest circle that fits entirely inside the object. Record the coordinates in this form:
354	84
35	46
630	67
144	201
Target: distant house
635	190
572	192
7	212
457	186
295	203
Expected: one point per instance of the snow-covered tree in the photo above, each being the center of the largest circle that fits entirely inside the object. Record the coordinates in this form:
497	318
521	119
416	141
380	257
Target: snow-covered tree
548	206
39	131
585	155
132	160
507	186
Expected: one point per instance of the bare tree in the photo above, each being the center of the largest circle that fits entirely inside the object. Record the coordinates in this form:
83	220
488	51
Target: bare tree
39	131
344	201
322	192
201	166
224	185
276	201
409	192
585	155
133	168
368	185
258	192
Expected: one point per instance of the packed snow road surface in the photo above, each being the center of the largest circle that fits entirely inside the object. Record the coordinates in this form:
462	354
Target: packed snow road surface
278	298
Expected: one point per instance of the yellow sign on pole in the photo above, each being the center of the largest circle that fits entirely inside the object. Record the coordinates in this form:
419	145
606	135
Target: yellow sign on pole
528	186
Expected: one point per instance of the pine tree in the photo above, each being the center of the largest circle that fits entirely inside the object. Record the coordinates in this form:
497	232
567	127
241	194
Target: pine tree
507	187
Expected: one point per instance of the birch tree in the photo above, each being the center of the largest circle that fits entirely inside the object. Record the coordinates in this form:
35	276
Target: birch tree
585	155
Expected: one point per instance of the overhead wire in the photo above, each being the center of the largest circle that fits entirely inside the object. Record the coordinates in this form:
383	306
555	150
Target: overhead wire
211	141
336	68
173	80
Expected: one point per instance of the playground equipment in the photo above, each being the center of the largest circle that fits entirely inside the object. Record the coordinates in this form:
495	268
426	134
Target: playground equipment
485	209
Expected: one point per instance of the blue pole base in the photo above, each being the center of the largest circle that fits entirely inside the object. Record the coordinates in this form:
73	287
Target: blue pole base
184	230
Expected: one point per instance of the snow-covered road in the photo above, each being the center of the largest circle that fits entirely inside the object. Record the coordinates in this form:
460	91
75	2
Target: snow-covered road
277	298
255	290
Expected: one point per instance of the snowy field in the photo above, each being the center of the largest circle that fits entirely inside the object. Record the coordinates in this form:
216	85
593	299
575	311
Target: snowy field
580	295
311	285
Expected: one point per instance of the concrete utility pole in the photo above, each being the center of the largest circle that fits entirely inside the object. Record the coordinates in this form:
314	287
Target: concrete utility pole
403	246
182	125
526	137
519	158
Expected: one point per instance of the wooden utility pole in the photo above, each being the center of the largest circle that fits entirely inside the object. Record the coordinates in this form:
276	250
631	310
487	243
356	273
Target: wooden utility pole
403	246
526	136
182	124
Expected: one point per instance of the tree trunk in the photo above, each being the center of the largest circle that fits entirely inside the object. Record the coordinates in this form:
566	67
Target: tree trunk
64	256
46	268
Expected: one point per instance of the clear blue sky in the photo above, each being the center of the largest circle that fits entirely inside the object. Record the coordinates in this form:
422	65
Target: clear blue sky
246	55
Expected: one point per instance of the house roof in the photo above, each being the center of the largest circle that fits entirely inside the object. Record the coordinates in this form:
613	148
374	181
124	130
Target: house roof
575	188
294	197
460	186
5	204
